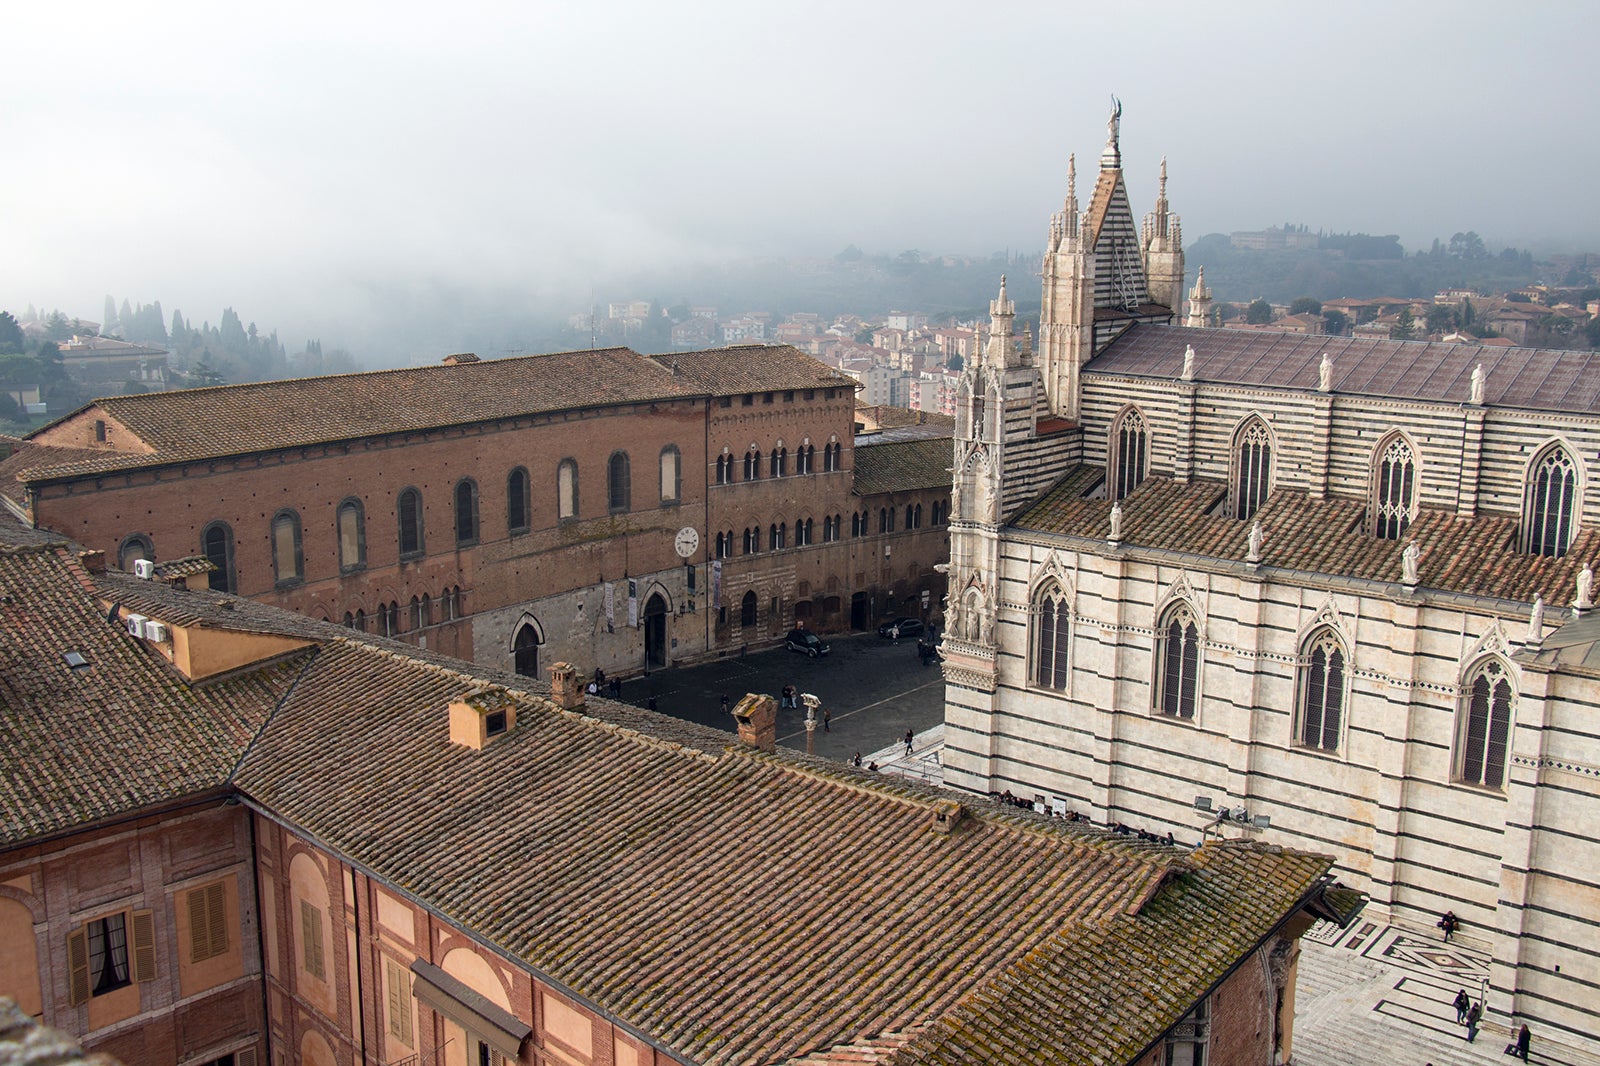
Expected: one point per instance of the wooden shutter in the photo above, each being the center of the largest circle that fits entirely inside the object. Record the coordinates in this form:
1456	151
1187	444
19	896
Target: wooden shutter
199	942
246	1057
78	966
217	918
144	946
399	1002
311	939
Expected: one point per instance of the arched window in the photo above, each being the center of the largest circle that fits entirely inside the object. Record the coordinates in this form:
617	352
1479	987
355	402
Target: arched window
567	490
216	544
409	506
359	623
134	546
519	502
1323	679
885	517
830	458
390	618
671	474
352	528
724	469
466	512
1252	468
780	462
721	551
1483	725
1177	662
752	464
1394	500
855	524
287	562
777	533
619	483
910	517
1552	503
525	650
1052	634
747	609
941	511
1129	454
417	611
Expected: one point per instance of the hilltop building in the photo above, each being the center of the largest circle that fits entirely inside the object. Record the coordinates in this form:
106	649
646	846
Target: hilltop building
601	507
1333	592
233	834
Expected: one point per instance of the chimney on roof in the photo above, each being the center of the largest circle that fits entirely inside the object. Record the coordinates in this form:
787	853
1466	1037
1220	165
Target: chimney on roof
757	716
565	687
93	561
459	358
946	815
480	716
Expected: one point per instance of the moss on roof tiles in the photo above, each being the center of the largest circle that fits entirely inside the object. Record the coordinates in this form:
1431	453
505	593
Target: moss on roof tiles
901	466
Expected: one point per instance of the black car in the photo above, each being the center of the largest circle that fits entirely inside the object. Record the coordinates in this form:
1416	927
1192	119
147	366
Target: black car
909	627
803	640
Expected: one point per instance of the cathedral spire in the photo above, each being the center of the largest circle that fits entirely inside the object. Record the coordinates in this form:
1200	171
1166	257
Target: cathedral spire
1199	302
1002	349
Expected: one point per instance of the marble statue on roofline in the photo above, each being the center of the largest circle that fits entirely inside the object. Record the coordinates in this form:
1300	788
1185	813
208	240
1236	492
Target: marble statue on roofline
1477	384
1188	362
1325	374
1116	522
1585	598
1408	563
1256	537
1536	621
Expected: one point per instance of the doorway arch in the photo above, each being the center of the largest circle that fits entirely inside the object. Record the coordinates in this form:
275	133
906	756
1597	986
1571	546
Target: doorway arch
525	648
655	632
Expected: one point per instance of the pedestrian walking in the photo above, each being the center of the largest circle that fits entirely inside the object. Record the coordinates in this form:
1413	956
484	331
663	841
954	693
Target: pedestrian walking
1524	1038
725	703
894	634
1462	1001
827	720
652	703
1473	1017
909	738
616	688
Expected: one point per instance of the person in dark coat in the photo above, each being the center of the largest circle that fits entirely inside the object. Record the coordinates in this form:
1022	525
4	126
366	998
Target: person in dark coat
1524	1038
1473	1016
1462	1001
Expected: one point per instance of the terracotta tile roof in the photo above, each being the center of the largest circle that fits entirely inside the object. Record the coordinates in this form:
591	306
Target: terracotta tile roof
1181	943
752	368
898	466
237	419
24	1042
678	887
1537	379
1475	556
122	733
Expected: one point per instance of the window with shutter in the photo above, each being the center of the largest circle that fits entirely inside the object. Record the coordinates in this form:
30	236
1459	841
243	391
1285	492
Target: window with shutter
78	966
208	923
311	940
144	946
399	1002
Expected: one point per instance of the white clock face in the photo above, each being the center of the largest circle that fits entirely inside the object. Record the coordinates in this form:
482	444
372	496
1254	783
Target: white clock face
687	541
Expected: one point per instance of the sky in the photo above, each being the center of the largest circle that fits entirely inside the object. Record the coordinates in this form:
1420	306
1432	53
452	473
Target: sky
311	164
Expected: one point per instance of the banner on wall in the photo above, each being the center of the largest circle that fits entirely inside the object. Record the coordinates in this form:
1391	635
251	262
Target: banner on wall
716	583
611	607
633	604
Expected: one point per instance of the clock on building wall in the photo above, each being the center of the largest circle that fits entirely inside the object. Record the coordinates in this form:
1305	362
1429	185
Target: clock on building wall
686	542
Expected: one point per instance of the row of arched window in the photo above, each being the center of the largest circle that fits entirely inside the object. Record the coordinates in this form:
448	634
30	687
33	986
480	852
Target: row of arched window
776	463
285	532
391	619
1322	692
1551	498
778	534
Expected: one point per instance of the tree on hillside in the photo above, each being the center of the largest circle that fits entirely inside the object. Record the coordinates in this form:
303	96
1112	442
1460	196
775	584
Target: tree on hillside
1467	245
1259	313
11	338
1334	323
202	375
1441	318
56	326
1405	327
1306	305
110	322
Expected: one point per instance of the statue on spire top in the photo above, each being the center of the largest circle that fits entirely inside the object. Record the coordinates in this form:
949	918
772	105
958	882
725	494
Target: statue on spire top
1114	126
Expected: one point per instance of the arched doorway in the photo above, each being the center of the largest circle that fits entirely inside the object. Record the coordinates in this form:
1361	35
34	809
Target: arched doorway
525	649
655	632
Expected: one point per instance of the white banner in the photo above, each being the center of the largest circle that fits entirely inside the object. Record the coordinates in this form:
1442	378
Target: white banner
611	607
633	604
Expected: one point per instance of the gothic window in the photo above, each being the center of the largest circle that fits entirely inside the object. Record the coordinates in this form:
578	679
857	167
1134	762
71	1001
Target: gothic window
809	529
830	458
1129	459
1252	468
1552	503
855	524
134	546
1052	630
780	462
519	505
466	512
419	612
216	544
752	464
409	506
567	489
1177	662
724	469
1483	726
777	534
721	552
619	483
525	650
390	621
287	562
941	511
1395	499
1323	682
804	460
747	609
752	541
350	525
1188	1041
671	476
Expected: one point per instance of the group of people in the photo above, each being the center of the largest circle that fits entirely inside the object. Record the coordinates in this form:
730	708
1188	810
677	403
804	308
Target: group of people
1469	1014
598	683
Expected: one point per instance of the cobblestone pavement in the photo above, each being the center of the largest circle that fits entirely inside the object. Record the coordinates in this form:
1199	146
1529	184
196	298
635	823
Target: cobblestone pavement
1375	995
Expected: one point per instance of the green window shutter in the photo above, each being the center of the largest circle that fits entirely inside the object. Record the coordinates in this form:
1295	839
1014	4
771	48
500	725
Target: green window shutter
78	966
144	946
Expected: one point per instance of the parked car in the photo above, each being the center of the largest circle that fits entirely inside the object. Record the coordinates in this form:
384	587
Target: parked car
909	627
803	640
